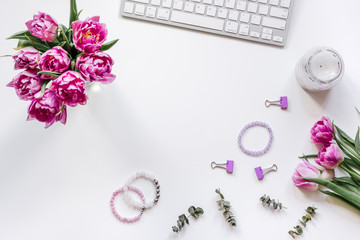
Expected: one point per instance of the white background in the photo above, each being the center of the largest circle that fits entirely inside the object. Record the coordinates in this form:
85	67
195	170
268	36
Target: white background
179	101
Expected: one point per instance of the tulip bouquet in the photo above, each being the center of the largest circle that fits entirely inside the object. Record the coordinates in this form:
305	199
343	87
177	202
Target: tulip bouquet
338	150
58	61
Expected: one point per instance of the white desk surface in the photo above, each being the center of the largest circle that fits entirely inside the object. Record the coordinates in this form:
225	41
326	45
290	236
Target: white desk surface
179	101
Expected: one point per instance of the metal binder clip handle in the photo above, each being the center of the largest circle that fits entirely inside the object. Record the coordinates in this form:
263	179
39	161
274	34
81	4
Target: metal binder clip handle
261	172
283	103
229	165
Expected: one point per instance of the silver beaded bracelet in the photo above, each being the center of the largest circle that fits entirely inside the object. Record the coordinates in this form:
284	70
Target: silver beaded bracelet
138	204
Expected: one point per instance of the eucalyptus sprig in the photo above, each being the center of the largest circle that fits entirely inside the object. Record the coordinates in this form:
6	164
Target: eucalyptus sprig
225	206
266	200
310	213
196	212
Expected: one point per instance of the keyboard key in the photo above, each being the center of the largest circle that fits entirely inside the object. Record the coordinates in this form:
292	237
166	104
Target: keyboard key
207	1
244	29
163	14
254	34
278	39
222	13
285	3
150	11
189	6
274	2
141	1
233	15
167	3
267	30
279	12
255	19
244	17
200	8
241	5
266	36
155	2
263	9
274	23
252	7
230	3
197	20
219	3
211	11
231	26
178	4
139	9
129	7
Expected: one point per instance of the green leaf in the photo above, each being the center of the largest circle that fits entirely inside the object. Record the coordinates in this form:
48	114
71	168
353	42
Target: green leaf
26	43
52	74
180	224
355	176
73	12
337	189
357	111
108	45
183	219
191	210
344	136
353	163
357	141
332	194
308	156
175	229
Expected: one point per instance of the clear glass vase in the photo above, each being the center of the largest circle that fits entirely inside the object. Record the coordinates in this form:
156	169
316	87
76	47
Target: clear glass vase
320	69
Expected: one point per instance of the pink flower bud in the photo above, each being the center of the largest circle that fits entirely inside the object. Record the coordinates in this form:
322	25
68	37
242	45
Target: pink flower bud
48	109
322	132
43	26
70	88
89	35
305	169
27	84
27	57
55	60
96	67
330	156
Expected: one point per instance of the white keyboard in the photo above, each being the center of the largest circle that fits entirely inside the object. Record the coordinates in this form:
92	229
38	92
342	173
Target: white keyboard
265	21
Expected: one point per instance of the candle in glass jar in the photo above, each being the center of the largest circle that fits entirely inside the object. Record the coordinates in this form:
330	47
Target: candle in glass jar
320	69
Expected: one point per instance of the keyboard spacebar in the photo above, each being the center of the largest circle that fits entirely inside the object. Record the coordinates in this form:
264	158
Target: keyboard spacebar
197	20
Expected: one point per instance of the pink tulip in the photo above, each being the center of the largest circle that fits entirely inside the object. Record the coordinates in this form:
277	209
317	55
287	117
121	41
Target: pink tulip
48	109
27	57
55	60
96	67
305	169
330	156
27	84
89	35
70	88
322	132
43	26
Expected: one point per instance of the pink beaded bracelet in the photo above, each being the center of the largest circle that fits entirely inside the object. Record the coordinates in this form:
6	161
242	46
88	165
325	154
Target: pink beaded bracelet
121	190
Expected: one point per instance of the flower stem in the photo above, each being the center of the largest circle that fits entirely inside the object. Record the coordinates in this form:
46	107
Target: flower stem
308	156
349	196
350	149
351	172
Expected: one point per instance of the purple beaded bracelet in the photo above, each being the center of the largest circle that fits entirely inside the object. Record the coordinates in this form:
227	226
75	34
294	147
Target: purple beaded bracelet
121	190
255	124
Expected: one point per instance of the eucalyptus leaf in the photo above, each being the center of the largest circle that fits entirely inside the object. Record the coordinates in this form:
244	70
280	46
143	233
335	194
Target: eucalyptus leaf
108	45
191	210
175	229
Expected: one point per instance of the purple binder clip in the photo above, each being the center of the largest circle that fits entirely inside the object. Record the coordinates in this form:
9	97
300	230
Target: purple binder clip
261	172
229	165
283	102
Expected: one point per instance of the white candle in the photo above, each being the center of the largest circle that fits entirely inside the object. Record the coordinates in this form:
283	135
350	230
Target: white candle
320	69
